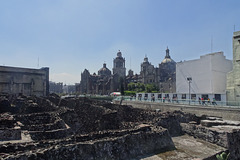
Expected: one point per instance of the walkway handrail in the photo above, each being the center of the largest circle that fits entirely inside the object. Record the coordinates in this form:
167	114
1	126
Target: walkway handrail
181	101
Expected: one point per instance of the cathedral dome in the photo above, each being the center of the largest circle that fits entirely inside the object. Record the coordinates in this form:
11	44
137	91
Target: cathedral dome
167	58
104	70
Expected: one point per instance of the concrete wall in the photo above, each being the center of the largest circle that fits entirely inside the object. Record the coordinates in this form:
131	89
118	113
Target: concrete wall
208	74
27	81
224	112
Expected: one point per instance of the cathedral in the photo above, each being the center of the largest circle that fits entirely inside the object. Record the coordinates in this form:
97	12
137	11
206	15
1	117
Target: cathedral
105	82
163	76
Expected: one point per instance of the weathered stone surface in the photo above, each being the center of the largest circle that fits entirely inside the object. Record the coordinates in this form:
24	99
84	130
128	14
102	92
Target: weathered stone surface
79	128
10	134
224	133
233	144
209	123
5	105
207	134
125	144
85	129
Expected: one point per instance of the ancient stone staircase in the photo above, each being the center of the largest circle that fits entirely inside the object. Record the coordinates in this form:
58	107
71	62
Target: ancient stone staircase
43	125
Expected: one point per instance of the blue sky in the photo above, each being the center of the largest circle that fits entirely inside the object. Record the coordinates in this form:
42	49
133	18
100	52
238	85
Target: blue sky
70	35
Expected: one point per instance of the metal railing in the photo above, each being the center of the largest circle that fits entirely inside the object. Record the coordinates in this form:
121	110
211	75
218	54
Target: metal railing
234	104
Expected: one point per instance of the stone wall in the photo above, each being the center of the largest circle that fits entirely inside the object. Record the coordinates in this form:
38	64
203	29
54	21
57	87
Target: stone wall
8	128
233	144
127	144
220	132
224	112
10	134
207	134
80	128
24	80
233	77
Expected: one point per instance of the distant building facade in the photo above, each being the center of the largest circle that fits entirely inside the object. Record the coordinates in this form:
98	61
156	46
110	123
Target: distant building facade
233	77
104	82
27	81
55	87
69	89
163	76
208	74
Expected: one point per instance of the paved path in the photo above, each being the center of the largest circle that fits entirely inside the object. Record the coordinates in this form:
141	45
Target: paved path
188	148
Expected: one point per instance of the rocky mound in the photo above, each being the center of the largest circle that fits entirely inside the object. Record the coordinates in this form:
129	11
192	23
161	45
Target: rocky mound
80	128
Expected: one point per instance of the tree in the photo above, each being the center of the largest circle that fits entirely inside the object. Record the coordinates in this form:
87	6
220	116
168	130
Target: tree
140	87
121	86
131	86
151	88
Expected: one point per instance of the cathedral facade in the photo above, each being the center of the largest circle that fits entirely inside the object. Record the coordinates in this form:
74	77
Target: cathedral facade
163	76
105	82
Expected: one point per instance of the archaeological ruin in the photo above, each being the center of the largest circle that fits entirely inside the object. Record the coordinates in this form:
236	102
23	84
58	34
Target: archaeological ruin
51	127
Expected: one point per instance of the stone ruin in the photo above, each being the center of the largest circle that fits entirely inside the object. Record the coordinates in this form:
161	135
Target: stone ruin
80	128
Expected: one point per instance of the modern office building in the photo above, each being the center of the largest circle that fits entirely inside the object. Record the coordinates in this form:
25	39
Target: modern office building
207	76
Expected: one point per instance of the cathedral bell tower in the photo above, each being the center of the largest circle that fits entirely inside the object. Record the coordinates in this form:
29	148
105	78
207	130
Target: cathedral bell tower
119	65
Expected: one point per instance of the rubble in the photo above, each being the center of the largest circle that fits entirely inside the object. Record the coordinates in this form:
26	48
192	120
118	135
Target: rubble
80	128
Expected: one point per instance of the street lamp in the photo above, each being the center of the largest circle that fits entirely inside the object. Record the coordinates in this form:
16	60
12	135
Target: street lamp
189	79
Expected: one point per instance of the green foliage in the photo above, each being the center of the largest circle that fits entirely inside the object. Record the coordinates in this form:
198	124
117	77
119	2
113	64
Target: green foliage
140	87
150	88
129	93
222	156
131	86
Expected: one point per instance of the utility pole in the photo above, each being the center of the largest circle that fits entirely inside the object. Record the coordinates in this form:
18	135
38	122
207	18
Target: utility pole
189	79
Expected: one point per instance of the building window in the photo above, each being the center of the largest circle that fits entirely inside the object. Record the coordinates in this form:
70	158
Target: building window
174	95
217	97
205	96
146	96
166	95
183	96
159	95
193	96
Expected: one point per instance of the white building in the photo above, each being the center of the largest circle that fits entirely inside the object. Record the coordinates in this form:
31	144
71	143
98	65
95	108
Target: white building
208	76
